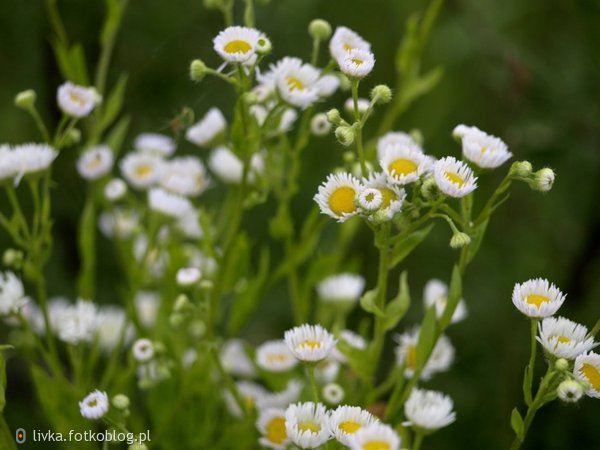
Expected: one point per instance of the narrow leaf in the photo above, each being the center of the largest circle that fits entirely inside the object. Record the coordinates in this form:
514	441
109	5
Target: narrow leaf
454	296
367	302
112	106
516	423
427	337
397	308
405	247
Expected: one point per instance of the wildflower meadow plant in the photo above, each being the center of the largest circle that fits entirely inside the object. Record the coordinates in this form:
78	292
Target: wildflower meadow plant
168	356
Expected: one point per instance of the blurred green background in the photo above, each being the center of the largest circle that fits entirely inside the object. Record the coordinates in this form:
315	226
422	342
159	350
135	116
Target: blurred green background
525	71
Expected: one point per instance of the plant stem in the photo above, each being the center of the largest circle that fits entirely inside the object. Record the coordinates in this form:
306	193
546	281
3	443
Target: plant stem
382	238
358	130
596	329
531	366
418	441
315	52
229	383
39	123
310	373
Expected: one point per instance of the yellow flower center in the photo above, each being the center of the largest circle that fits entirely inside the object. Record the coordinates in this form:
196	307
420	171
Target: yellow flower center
563	339
537	300
455	178
294	83
482	150
311	344
276	430
342	200
237	46
76	99
309	426
347	47
93	403
357	61
143	170
592	374
349	427
411	356
402	167
277	357
376	445
388	196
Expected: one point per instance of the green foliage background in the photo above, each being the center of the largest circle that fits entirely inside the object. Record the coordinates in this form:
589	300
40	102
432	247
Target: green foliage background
525	71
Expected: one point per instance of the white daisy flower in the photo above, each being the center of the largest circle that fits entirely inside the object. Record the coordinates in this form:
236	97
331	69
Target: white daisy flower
440	359
306	424
188	276
189	225
76	101
7	163
274	356
95	162
235	360
120	222
250	393
436	293
337	196
362	104
537	298
78	322
345	421
344	40
142	170
327	85
484	150
143	350
395	138
327	370
370	200
297	83
94	405
333	393
587	369
357	63
375	436
12	294
429	410
392	196
115	190
282	399
403	164
454	178
288	118
155	144
320	125
271	425
31	159
343	287
229	168
171	205
185	176
147	304
236	44
462	131
353	340
207	129
112	324
564	338
309	342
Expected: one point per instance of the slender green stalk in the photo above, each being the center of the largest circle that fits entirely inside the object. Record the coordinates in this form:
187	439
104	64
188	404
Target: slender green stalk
358	130
249	13
531	366
56	21
106	52
382	239
229	383
39	123
316	45
596	329
310	374
16	206
418	441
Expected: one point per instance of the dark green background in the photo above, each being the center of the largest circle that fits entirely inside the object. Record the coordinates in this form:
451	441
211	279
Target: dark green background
526	71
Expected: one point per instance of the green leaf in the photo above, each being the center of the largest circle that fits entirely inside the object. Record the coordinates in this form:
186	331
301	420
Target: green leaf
476	239
117	135
238	262
427	337
405	247
408	51
112	107
454	296
360	361
422	85
367	302
429	19
516	423
87	248
79	65
7	438
114	13
397	308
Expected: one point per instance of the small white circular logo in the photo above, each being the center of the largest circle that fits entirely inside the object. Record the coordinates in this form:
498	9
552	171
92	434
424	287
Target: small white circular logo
20	436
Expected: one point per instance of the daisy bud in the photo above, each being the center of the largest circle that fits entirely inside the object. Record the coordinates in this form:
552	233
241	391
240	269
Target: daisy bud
429	188
13	258
459	240
198	70
333	115
120	401
143	350
345	135
182	304
381	94
26	99
561	364
543	180
570	391
319	29
250	98
320	125
263	45
380	216
73	138
521	169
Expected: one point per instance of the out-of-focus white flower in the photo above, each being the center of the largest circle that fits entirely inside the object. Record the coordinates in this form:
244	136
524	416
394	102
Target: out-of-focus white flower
95	405
306	424
429	410
327	85
354	340
440	359
229	168
142	170
146	306
235	360
251	395
343	287
564	338
395	138
119	222
376	435
327	370
236	44
113	327
361	103
320	125
184	176
309	342
537	298
188	276
282	399
333	393
345	421
453	177
271	424
207	129
31	159
587	369
115	189
12	294
95	162
171	205
337	196
154	144
189	225
143	350
78	322
436	293
274	356
76	101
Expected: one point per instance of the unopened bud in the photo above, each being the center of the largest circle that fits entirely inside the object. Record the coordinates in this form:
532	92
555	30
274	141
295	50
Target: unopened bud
333	115
198	70
13	258
345	135
561	364
543	180
459	240
349	157
73	137
25	99
381	94
120	401
521	169
182	304
138	446
263	45
429	188
570	391
319	29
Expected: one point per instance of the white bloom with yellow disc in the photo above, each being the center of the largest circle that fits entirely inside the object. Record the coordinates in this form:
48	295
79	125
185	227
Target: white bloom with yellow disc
337	196
375	436
392	197
236	44
344	40
95	162
357	63
453	177
271	425
537	298
564	338
440	360
587	369
309	342
142	170
403	164
307	424
274	356
345	421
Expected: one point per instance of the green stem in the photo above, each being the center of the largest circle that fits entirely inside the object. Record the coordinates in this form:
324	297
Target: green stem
310	373
382	238
16	206
418	441
229	383
596	329
358	130
56	21
531	366
39	123
106	52
315	52
249	13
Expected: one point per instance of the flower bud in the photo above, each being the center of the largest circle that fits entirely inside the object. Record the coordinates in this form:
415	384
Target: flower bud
345	135
521	169
13	258
25	99
182	304
264	45
250	98
333	115
429	188
176	319
459	240
543	180
561	364
120	401
319	29
73	137
381	94
349	157
198	70
570	391
320	125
